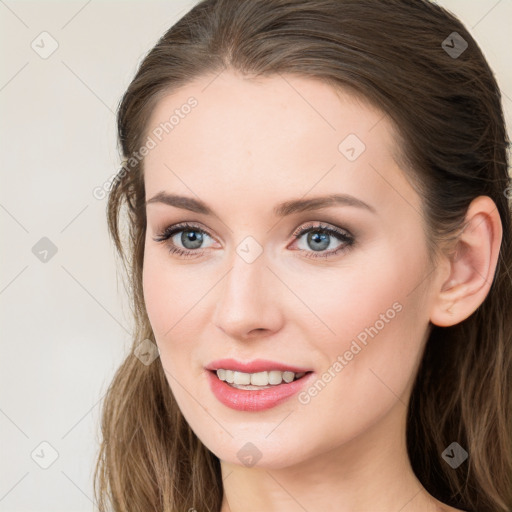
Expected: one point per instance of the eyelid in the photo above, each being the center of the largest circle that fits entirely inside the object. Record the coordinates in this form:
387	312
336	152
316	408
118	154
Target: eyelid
172	229
309	226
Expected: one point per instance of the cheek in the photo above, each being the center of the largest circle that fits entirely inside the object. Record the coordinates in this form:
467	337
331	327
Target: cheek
156	293
172	295
379	316
168	292
367	291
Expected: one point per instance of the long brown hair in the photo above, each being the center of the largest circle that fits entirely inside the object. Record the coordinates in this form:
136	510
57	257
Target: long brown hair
446	107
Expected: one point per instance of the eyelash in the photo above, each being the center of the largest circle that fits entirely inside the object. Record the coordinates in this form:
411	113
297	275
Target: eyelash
341	235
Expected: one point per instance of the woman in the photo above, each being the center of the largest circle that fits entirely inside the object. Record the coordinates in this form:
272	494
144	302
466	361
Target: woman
319	252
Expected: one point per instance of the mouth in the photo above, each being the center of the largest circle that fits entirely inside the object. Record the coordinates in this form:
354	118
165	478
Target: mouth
257	385
257	380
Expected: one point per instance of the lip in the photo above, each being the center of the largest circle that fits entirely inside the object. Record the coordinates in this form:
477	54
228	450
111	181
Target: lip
257	399
254	366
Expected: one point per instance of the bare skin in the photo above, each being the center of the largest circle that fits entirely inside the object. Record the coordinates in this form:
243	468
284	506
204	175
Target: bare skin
245	148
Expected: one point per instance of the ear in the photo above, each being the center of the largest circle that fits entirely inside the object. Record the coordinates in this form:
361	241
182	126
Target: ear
470	267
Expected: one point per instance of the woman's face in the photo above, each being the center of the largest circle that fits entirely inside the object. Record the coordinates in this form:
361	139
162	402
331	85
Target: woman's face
346	300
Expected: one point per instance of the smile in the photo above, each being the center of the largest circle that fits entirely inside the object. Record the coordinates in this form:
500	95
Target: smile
259	380
255	390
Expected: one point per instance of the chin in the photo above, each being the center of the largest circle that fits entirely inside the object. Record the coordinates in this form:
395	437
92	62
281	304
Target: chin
257	452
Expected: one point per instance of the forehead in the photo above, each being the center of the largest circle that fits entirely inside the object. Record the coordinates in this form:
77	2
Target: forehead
283	134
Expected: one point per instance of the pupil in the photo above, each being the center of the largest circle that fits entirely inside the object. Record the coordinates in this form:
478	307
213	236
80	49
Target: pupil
192	240
318	237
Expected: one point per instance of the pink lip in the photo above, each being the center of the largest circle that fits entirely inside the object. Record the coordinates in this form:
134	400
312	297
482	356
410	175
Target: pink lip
254	366
257	399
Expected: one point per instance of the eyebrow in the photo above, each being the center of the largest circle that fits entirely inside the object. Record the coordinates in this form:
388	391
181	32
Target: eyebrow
281	210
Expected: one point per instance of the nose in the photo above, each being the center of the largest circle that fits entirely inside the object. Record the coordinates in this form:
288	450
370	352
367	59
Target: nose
248	304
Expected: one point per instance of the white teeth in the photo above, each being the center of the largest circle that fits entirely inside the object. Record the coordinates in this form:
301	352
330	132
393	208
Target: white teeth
253	380
242	378
275	377
259	379
288	376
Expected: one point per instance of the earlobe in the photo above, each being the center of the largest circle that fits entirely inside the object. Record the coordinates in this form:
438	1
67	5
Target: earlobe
472	265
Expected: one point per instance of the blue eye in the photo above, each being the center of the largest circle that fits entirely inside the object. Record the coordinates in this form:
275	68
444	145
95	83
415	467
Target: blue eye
191	238
319	238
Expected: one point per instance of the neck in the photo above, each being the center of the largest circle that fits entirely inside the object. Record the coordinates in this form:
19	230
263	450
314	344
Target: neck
370	472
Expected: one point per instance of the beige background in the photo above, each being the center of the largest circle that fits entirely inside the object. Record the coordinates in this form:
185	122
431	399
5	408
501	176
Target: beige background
65	322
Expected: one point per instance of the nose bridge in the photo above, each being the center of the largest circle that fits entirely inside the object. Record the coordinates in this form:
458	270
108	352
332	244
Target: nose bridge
246	302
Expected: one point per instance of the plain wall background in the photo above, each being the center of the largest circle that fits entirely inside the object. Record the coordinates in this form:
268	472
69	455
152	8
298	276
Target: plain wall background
66	321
